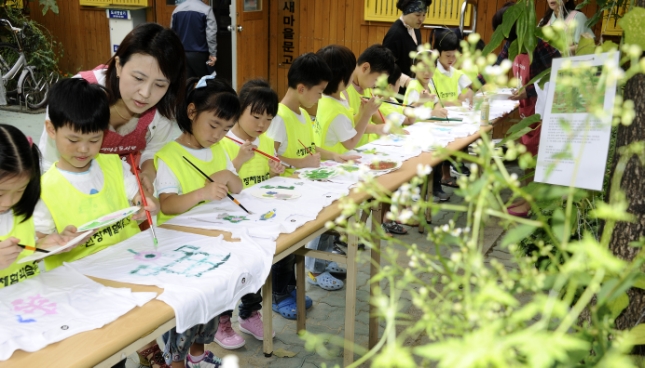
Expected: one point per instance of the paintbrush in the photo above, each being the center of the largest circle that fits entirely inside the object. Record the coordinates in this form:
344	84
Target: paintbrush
211	180
437	91
270	157
444	119
305	147
392	102
144	201
29	247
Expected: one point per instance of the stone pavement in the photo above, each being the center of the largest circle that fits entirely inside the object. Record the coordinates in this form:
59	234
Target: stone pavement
328	312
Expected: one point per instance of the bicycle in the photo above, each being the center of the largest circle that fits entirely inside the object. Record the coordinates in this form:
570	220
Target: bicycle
32	85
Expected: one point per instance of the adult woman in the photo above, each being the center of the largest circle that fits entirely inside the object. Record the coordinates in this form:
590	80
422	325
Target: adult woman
568	12
404	35
145	82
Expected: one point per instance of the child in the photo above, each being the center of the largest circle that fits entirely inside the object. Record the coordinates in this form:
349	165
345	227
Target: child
292	127
19	193
258	104
452	86
372	63
390	111
209	111
84	185
340	131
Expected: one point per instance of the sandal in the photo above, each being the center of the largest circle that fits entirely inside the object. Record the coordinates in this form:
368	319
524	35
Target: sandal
287	308
325	280
153	356
452	182
334	267
308	301
394	228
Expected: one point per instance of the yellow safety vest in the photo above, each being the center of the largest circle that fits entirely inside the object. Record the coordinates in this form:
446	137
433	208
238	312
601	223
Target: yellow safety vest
448	87
386	109
255	170
189	178
17	272
355	103
297	131
328	109
415	85
69	206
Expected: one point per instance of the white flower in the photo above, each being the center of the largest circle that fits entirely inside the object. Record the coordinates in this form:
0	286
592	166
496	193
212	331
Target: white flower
423	170
405	215
506	65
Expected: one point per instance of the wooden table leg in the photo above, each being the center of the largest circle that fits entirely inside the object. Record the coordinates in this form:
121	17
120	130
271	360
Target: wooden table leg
350	299
375	267
267	315
427	196
300	293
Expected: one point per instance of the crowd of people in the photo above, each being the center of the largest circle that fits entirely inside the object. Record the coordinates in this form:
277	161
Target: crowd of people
129	106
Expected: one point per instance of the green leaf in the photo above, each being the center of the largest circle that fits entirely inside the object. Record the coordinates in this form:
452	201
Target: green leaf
557	223
47	5
633	24
513	50
617	212
517	234
511	16
524	123
586	46
618	305
639	282
521	27
637	335
531	40
495	40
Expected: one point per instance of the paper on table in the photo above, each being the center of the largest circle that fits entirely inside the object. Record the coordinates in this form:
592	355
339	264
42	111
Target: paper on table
38	255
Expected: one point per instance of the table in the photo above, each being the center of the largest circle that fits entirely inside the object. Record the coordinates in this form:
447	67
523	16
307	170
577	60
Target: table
106	346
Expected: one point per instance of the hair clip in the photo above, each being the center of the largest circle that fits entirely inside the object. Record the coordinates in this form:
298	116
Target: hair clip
31	141
203	80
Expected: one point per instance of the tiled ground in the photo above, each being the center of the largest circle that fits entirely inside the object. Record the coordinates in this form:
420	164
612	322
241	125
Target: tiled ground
327	314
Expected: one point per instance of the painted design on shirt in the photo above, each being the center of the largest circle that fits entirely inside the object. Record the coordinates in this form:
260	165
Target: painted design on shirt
268	215
231	218
276	195
21	320
319	174
34	304
349	168
278	187
192	263
145	256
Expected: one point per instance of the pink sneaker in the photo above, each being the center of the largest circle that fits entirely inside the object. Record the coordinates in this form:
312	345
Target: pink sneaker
226	337
253	326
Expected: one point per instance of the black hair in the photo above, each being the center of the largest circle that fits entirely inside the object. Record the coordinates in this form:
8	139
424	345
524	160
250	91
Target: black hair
394	76
341	62
438	33
217	97
448	41
568	7
19	156
80	105
258	94
308	69
380	58
402	4
498	18
164	45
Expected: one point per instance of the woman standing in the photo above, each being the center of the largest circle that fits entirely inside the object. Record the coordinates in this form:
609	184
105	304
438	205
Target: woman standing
145	81
404	35
567	11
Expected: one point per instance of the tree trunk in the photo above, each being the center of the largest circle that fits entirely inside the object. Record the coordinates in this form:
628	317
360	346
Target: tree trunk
633	183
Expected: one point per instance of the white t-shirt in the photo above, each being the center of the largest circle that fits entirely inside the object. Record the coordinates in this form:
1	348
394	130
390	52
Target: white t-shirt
341	129
202	276
88	182
167	182
278	132
56	305
464	81
6	222
160	131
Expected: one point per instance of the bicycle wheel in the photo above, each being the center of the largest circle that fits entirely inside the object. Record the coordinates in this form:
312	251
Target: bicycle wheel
9	55
34	90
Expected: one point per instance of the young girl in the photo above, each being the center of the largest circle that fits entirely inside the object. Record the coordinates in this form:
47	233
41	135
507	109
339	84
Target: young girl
258	104
418	91
209	112
19	193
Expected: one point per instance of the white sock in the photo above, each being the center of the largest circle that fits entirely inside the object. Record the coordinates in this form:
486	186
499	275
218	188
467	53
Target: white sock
198	358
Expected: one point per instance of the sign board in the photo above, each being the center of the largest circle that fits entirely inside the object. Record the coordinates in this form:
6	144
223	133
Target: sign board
118	14
574	143
288	24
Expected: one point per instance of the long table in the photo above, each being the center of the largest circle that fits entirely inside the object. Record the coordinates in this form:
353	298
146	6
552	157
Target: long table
106	346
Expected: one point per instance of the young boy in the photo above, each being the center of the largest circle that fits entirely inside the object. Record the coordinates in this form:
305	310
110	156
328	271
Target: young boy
340	129
374	61
452	85
292	129
84	185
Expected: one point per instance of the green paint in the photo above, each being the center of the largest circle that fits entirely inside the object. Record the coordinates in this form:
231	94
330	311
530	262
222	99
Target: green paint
319	174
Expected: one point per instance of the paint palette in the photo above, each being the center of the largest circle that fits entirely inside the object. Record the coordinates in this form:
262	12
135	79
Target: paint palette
322	173
38	255
276	193
109	219
384	165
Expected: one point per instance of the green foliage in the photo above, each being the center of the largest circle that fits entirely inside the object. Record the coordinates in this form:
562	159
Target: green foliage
49	5
633	24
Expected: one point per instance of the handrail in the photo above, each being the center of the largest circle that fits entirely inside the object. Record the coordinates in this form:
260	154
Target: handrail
462	16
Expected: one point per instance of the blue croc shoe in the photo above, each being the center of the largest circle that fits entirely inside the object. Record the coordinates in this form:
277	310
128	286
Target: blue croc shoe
308	301
286	308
